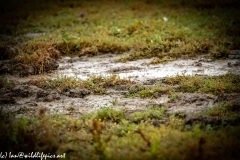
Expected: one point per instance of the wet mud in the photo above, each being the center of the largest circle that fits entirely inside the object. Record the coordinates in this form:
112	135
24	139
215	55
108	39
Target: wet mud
141	70
26	98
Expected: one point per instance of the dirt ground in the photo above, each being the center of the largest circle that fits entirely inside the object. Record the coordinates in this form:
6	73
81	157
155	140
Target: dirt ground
25	98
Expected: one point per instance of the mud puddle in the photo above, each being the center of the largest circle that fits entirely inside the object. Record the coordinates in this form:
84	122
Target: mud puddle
141	71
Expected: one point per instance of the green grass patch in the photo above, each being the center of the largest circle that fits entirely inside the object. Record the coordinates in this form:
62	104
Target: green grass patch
215	85
224	110
161	29
95	138
98	84
147	91
104	114
4	83
151	113
173	95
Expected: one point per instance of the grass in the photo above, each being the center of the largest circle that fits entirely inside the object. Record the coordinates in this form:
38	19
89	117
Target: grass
4	83
224	110
173	95
97	84
147	91
104	114
217	85
214	85
151	113
161	29
96	137
39	56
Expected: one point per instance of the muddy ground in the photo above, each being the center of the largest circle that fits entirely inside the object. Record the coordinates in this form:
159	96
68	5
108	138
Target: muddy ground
25	98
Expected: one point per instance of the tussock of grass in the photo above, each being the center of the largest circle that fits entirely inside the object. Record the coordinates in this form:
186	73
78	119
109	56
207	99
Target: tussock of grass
37	55
61	84
225	110
104	114
4	83
151	113
215	85
147	91
97	84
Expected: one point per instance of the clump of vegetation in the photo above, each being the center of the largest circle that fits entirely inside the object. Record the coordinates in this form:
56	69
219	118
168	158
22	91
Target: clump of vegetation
173	95
61	84
98	84
225	110
215	85
105	113
147	91
40	56
4	83
151	113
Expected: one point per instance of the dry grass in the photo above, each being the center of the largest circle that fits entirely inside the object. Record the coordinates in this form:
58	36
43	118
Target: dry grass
37	55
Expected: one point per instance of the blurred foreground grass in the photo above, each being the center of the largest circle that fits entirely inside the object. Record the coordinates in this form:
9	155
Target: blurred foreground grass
114	134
